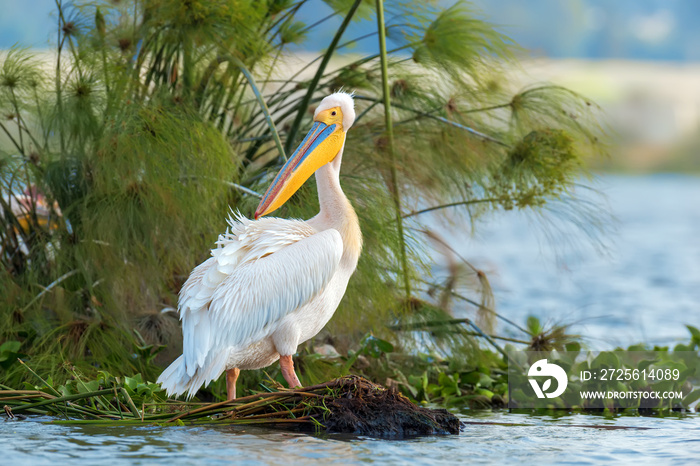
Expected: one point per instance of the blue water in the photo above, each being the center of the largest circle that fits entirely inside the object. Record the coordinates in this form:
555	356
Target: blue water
576	439
644	286
644	289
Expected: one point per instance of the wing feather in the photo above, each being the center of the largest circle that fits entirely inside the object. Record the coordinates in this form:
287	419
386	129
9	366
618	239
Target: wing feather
260	272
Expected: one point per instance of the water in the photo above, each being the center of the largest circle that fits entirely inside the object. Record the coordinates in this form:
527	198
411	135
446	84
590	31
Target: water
645	290
542	440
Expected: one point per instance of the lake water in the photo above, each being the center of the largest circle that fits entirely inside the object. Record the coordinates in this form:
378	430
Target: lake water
645	289
577	439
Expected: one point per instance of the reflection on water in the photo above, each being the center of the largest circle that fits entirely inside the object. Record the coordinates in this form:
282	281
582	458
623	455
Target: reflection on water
645	291
574	438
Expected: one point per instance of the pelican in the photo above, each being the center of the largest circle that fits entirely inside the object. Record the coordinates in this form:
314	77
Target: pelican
271	283
32	202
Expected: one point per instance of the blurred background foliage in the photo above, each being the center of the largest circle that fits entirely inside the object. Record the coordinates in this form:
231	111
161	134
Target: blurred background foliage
121	153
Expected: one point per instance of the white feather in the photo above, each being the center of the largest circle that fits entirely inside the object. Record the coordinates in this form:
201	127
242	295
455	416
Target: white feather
260	272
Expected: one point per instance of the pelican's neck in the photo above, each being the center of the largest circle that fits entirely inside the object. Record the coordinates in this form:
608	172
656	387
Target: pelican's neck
336	211
331	198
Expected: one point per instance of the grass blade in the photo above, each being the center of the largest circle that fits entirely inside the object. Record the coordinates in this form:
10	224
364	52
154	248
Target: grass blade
39	377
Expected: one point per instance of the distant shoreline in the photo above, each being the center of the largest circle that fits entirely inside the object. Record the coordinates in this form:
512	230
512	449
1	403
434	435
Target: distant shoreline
652	108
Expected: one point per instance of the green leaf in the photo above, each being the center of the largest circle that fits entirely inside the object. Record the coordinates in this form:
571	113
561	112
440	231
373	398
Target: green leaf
691	398
482	391
88	387
646	363
695	334
9	352
606	360
471	378
375	347
573	346
533	325
485	380
10	346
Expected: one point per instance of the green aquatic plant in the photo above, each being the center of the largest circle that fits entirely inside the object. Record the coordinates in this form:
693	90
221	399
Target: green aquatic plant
425	376
120	158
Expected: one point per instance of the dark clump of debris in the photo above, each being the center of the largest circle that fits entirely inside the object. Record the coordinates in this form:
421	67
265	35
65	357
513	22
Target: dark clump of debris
360	407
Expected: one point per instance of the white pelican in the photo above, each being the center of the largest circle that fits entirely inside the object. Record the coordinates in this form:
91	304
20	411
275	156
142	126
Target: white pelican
272	283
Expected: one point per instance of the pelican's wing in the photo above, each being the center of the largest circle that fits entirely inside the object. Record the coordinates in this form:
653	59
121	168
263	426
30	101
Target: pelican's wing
230	299
261	293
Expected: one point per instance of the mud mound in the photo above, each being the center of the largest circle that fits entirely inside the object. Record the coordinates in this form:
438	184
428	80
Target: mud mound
360	407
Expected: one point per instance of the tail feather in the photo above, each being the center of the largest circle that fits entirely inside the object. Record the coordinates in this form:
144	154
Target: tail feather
175	380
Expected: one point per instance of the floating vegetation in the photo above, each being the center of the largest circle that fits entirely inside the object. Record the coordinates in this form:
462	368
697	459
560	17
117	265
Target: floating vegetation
353	404
349	404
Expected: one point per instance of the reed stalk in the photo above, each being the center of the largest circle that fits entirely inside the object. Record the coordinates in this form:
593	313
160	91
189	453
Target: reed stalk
396	190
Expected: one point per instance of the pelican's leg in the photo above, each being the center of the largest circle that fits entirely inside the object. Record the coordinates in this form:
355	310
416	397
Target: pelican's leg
231	377
290	376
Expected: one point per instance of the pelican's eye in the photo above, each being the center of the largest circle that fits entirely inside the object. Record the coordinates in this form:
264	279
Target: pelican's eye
333	113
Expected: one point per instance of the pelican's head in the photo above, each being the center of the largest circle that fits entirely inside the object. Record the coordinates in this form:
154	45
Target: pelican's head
332	119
